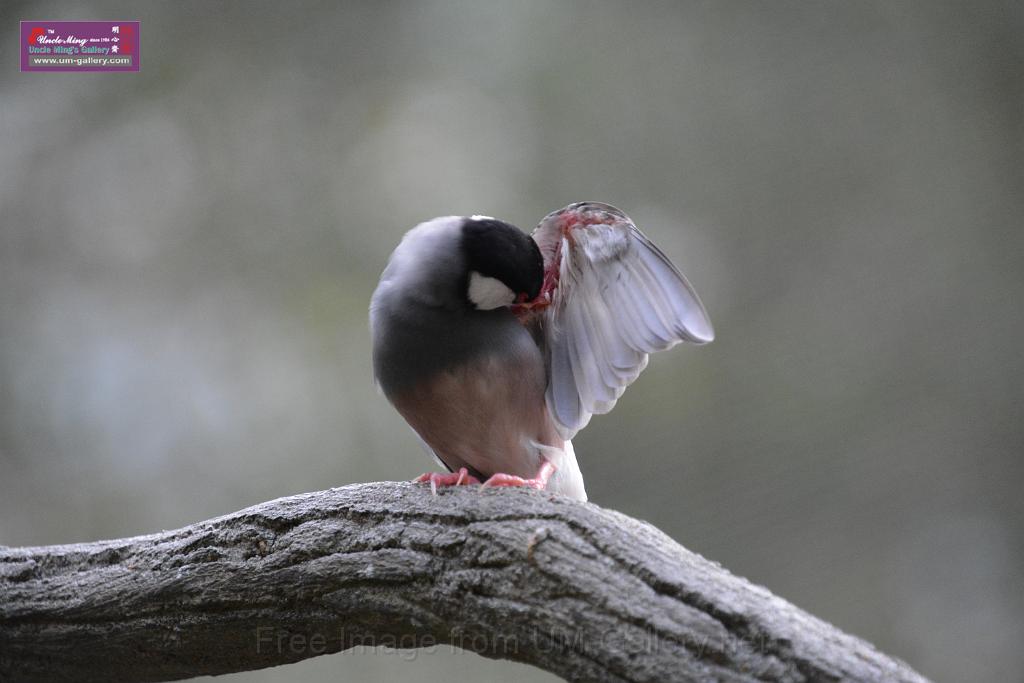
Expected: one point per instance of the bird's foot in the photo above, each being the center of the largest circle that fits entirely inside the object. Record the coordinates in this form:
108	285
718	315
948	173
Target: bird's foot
538	482
435	479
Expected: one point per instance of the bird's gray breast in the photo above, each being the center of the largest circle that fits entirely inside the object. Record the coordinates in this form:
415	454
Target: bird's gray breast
471	387
412	343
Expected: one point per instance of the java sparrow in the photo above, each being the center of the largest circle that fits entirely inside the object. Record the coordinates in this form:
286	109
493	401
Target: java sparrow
497	347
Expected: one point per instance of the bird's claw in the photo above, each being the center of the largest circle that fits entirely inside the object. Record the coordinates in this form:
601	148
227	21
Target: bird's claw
435	479
502	479
539	482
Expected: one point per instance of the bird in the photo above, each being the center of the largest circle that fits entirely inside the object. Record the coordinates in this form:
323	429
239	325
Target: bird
498	346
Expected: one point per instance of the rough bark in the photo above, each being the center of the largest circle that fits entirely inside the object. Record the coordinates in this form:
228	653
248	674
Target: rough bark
583	592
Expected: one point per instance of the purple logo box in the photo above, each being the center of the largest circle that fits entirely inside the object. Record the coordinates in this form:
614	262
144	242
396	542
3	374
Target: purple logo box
79	46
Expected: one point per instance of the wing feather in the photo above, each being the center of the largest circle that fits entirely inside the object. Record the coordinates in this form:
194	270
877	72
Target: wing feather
618	299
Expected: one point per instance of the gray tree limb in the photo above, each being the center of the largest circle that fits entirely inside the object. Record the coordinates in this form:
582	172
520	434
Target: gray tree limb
583	592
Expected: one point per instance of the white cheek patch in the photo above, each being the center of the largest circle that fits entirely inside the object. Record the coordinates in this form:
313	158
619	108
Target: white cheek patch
487	293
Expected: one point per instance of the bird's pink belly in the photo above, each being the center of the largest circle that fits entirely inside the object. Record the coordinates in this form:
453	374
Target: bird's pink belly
483	415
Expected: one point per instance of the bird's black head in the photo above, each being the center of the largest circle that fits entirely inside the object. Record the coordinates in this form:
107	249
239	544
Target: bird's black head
504	264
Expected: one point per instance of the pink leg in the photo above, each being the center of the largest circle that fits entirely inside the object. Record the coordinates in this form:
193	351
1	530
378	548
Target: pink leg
447	479
538	482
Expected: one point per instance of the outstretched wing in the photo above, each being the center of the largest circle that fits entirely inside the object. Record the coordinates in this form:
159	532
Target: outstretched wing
614	299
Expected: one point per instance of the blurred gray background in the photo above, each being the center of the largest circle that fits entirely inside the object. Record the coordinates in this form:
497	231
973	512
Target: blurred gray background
187	255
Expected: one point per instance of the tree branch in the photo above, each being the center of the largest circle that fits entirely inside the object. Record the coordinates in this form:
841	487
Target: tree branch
583	592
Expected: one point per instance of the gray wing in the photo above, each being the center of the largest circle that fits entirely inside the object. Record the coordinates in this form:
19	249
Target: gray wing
618	299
